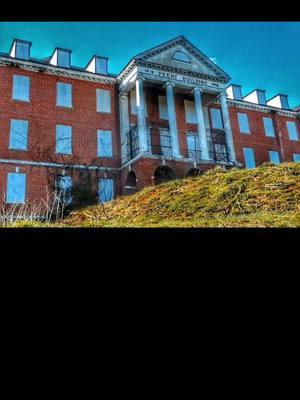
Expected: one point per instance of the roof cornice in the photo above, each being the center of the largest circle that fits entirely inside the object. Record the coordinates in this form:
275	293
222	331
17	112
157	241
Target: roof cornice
53	70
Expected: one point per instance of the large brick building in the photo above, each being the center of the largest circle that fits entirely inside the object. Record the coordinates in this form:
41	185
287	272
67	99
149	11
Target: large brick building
170	113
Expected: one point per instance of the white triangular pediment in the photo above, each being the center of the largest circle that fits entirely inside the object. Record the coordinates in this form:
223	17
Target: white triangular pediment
181	54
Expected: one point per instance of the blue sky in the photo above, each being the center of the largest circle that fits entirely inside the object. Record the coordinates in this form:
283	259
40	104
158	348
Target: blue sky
263	55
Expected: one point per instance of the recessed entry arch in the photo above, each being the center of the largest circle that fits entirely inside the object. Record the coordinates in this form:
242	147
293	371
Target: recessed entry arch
163	174
131	183
194	172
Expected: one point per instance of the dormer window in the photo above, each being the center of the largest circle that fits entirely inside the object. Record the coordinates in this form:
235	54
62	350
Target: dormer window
61	58
20	49
181	56
98	65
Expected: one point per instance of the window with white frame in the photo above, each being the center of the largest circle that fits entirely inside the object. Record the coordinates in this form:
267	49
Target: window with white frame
16	188
22	50
193	146
243	123
103	100
63	58
64	94
274	157
296	157
269	127
21	88
64	188
163	108
18	137
292	129
249	157
106	190
190	112
63	139
104	143
216	118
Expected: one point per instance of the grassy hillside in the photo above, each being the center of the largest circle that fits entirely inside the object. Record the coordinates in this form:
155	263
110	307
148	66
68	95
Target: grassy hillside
268	196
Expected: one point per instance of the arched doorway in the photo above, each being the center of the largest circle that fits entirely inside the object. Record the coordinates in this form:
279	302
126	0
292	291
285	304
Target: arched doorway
163	174
194	172
130	185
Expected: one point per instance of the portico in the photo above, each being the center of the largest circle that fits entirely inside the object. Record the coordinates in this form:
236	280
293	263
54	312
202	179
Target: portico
153	69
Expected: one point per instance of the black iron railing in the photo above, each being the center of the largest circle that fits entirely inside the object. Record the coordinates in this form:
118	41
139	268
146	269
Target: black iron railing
160	144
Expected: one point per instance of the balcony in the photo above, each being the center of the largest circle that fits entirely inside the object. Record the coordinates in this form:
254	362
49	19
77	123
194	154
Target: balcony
160	144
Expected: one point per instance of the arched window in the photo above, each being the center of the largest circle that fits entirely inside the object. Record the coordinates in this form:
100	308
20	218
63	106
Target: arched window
180	56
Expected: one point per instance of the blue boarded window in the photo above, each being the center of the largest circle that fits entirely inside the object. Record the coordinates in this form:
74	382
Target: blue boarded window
274	157
18	134
106	190
296	157
22	50
193	147
21	88
292	129
104	143
249	157
103	101
63	139
243	123
216	118
64	94
16	188
269	127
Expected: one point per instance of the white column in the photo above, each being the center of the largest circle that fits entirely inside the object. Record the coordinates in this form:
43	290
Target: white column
227	127
172	119
141	115
201	124
124	123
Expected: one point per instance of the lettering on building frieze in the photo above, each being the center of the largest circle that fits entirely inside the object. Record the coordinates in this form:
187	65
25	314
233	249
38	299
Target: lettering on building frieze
179	78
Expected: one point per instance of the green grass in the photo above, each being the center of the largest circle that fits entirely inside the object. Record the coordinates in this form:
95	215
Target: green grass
267	196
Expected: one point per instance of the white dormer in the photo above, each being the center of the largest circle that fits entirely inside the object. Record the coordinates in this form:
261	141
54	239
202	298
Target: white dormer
234	92
258	96
279	101
98	65
61	58
20	49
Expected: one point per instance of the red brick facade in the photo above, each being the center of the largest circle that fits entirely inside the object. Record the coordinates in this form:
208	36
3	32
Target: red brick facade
41	164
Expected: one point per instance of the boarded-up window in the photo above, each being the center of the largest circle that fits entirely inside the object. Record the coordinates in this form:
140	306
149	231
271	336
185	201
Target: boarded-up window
64	94
269	128
16	188
249	157
216	118
104	143
163	109
292	129
18	134
190	112
274	157
21	88
103	101
243	123
63	139
106	190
